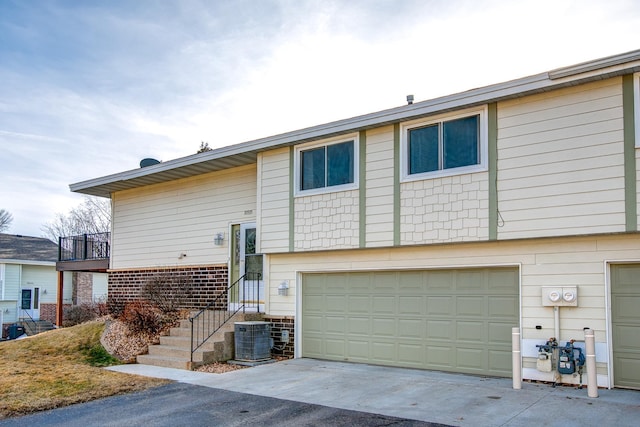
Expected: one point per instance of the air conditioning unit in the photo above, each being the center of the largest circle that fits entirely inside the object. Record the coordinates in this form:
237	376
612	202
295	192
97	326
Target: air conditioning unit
252	341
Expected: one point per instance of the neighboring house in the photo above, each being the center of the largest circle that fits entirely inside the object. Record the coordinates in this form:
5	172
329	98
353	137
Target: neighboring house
420	235
29	281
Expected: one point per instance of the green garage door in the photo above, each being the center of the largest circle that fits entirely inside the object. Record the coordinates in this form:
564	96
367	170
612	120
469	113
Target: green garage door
448	320
625	322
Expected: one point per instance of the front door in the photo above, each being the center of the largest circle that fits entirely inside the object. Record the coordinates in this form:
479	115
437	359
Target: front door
30	303
249	265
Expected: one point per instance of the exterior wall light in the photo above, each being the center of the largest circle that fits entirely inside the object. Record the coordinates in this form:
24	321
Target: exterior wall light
283	289
218	239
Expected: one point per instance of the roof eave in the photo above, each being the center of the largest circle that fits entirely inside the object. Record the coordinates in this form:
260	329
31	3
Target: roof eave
246	152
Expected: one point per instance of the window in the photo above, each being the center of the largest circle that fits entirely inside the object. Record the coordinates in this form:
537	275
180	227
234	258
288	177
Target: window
445	146
325	167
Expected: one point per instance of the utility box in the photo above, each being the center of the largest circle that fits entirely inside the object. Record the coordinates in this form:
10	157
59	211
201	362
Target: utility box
15	331
560	296
253	341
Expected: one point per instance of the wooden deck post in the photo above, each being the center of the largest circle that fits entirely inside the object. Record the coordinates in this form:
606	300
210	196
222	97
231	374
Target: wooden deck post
59	306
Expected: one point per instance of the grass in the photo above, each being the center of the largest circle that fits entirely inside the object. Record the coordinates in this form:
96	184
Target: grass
60	368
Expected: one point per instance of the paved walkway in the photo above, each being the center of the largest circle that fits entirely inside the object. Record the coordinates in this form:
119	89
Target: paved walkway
451	399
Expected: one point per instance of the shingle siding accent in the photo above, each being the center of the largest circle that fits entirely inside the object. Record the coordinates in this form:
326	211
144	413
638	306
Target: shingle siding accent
442	210
207	283
326	221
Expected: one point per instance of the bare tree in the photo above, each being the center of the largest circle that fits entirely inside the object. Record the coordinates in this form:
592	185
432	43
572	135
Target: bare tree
92	216
204	146
5	220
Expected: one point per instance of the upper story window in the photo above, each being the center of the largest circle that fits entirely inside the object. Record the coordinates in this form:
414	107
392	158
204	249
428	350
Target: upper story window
327	166
445	145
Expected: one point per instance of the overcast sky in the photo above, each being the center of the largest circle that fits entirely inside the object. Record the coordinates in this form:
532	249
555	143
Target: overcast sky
89	88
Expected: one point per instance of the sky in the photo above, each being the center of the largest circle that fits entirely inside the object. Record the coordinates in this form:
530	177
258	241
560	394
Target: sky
88	88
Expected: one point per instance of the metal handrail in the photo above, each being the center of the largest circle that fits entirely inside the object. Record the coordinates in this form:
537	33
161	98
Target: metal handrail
84	247
36	328
206	322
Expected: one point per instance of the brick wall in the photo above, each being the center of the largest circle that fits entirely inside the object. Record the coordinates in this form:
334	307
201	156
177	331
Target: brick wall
206	283
278	324
82	288
48	311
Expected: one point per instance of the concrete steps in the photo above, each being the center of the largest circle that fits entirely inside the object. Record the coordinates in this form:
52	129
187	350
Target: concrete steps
174	350
34	327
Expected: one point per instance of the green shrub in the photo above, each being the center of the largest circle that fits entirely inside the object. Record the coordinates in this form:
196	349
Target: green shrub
99	357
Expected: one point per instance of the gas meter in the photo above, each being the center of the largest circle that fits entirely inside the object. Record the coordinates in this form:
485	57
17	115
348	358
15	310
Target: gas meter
545	355
570	358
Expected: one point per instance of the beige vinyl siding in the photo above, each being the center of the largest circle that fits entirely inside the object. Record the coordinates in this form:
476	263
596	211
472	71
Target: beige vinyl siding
560	162
273	200
379	187
12	279
152	225
8	311
45	278
327	221
442	210
100	286
576	261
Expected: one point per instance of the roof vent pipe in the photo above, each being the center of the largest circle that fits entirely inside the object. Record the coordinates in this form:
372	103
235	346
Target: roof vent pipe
409	99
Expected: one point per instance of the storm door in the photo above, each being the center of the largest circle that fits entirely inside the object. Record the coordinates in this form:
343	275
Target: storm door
250	283
30	303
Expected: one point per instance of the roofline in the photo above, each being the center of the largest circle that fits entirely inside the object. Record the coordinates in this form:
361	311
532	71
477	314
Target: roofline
28	262
246	152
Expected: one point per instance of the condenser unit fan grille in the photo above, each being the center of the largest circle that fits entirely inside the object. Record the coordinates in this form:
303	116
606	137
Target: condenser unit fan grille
252	341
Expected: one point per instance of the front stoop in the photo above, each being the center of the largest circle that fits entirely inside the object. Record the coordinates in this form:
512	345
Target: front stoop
174	350
34	327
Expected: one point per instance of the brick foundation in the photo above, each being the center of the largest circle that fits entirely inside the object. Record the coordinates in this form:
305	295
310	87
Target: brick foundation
206	283
278	324
48	311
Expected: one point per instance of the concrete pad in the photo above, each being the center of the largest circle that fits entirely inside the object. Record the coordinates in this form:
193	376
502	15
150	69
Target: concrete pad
460	400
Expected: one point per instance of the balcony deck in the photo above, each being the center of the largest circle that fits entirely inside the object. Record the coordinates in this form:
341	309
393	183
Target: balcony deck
86	252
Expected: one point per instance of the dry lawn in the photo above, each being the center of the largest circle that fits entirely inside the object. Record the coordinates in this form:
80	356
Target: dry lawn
52	369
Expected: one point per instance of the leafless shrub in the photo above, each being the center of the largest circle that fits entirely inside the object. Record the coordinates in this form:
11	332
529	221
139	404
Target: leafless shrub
76	314
115	306
168	292
140	316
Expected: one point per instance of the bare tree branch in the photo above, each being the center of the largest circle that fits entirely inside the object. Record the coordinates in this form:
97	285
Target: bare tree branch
91	217
5	220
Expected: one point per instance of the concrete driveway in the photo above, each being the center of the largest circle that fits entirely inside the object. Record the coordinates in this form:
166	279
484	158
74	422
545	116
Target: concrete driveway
428	396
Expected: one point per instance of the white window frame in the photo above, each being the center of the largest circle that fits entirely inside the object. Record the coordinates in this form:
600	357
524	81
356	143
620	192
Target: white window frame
298	192
483	142
636	107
